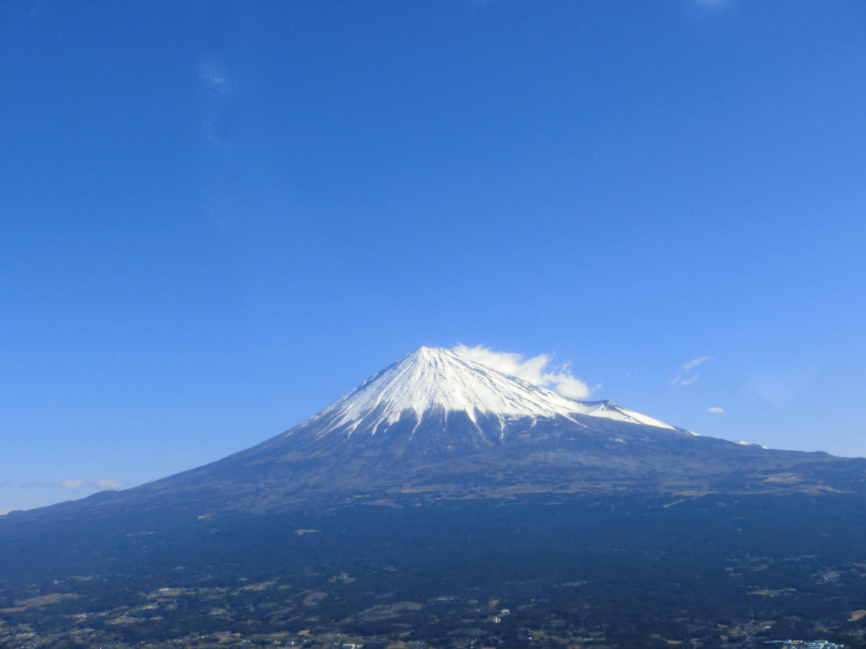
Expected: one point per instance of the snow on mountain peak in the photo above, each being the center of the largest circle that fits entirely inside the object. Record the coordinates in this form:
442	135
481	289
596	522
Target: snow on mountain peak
435	379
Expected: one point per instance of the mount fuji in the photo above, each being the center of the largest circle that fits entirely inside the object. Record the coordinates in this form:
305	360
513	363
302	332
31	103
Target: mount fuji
439	425
437	485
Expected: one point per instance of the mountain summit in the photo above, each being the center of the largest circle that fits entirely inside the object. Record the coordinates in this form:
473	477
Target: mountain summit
438	382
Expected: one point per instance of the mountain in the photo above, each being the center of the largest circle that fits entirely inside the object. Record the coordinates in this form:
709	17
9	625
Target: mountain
444	504
439	425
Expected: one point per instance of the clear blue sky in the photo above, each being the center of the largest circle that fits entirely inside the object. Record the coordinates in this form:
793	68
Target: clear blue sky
218	217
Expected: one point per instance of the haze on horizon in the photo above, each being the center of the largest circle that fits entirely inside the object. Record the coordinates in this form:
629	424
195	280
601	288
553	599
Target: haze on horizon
218	218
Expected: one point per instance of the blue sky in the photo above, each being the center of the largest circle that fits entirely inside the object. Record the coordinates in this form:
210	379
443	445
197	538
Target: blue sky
218	217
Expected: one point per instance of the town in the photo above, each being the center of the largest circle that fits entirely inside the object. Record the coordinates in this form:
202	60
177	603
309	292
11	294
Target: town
277	614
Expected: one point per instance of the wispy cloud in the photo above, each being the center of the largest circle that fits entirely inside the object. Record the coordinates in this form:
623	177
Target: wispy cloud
75	485
537	370
213	78
40	484
715	411
777	387
694	363
217	88
686	376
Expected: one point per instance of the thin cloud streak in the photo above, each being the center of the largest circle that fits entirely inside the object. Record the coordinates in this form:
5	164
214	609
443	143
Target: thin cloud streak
217	89
75	485
684	376
694	363
777	387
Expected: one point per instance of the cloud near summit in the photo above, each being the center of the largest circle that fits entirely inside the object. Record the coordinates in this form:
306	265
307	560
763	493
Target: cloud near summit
537	370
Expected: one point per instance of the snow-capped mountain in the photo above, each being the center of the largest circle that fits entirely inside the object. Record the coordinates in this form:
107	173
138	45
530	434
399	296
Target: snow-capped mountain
433	381
438	423
437	472
442	425
416	462
434	402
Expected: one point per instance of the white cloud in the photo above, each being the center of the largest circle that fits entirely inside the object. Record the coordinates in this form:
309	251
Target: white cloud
694	363
89	485
715	411
684	376
108	484
537	370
